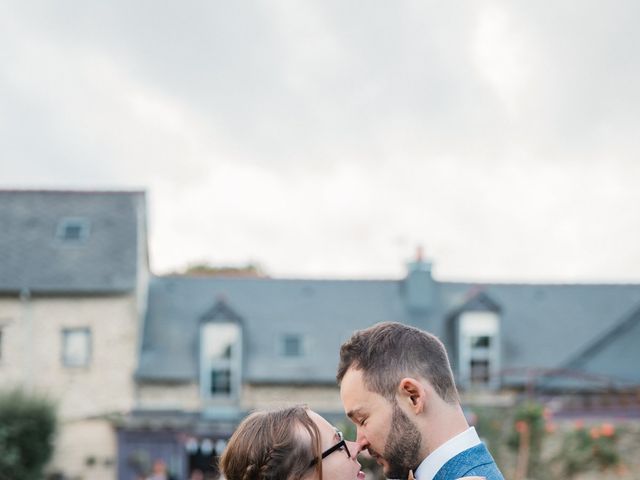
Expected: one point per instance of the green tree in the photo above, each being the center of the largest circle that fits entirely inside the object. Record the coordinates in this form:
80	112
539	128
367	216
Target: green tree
27	428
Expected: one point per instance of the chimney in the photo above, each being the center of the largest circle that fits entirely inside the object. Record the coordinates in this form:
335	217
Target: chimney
419	284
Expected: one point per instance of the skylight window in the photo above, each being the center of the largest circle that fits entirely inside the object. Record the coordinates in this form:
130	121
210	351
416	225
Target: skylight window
73	230
292	345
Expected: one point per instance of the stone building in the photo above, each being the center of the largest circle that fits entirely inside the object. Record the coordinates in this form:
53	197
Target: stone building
73	285
148	367
215	348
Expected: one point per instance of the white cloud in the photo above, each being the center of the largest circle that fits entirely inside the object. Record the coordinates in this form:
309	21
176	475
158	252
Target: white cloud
502	55
330	139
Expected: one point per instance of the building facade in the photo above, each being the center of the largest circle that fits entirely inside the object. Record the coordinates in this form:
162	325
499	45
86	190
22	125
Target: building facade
148	367
73	285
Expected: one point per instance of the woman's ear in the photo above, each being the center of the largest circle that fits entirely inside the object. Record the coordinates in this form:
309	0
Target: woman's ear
414	393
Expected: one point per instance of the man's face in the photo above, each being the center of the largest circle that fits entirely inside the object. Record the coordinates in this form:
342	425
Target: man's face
382	427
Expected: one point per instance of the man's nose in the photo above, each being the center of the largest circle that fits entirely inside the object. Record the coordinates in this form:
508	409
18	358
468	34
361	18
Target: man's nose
361	439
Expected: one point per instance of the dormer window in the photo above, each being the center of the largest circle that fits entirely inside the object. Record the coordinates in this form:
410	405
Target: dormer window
479	349
220	355
73	230
220	360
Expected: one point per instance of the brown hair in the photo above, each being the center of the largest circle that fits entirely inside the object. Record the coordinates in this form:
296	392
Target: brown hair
390	351
268	445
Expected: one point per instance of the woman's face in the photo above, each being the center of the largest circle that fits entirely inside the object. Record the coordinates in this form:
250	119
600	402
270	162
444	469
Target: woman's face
338	465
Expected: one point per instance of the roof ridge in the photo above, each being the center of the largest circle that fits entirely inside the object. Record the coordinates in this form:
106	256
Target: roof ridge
541	284
270	278
73	190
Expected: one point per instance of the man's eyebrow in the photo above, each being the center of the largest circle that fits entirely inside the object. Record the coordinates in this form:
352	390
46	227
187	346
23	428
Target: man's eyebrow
356	412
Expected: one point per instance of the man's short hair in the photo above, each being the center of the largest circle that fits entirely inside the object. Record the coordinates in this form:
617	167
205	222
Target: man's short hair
388	352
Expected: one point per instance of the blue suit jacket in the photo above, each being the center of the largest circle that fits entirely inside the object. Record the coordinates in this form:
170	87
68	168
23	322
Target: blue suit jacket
476	461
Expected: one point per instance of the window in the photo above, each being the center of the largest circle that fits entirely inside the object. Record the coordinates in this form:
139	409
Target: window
221	381
480	374
483	341
292	345
478	350
73	230
76	347
220	360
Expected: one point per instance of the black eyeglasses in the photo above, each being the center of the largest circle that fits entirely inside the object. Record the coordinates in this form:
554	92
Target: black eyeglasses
342	444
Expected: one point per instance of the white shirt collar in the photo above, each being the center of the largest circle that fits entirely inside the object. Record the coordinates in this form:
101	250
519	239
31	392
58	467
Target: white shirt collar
445	452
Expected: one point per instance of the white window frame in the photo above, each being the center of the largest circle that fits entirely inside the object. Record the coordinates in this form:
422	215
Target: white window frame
474	324
232	364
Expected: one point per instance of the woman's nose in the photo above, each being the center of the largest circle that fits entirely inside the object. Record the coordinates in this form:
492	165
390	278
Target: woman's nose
354	448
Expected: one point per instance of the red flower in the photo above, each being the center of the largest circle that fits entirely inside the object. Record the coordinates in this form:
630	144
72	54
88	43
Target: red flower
522	426
607	430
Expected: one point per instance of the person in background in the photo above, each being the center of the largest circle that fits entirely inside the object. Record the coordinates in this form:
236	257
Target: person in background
196	474
159	471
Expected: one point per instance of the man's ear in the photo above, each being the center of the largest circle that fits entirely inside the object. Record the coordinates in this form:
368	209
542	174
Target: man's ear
413	393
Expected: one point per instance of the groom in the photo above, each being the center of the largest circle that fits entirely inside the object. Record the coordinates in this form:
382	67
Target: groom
397	387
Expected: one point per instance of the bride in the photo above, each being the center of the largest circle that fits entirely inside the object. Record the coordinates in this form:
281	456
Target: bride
289	444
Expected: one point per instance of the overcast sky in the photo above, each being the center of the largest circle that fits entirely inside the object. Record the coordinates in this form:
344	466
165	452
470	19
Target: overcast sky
329	138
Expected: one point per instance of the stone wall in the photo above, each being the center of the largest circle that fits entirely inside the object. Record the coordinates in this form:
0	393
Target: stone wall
169	396
32	359
320	398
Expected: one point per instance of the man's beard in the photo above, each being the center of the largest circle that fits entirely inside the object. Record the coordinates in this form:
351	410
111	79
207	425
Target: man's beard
402	449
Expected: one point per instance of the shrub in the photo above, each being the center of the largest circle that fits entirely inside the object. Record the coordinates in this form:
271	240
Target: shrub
587	449
27	427
529	420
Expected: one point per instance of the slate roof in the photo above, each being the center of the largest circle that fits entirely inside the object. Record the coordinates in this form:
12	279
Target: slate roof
616	354
326	312
33	256
549	326
542	326
591	328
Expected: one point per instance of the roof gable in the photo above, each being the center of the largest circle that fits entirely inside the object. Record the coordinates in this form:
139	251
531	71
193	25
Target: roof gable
616	353
221	312
476	299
